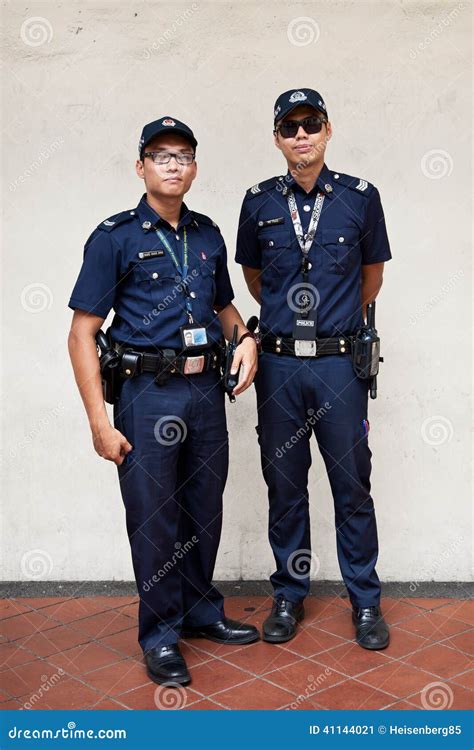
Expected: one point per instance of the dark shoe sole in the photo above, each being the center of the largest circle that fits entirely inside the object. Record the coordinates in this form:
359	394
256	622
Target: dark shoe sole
283	639
233	642
166	680
374	648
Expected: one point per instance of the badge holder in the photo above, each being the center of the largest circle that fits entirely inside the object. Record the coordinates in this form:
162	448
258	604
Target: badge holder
193	336
304	333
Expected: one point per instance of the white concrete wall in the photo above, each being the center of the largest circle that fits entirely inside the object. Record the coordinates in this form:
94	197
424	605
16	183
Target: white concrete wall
80	80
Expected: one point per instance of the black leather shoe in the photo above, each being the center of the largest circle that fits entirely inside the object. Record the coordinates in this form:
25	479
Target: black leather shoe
223	631
165	664
371	629
280	625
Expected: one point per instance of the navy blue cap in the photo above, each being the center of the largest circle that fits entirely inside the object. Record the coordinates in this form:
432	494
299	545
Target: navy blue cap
293	98
165	125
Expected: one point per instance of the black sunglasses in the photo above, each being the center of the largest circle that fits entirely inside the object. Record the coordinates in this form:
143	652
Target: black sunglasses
310	125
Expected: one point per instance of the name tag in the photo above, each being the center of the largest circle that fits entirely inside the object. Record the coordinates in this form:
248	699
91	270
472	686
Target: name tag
271	222
151	254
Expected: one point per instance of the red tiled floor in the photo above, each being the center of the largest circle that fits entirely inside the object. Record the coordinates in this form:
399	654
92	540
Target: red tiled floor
435	625
444	696
462	610
398	679
54	640
104	623
24	624
353	695
255	695
351	659
462	642
259	658
83	659
94	640
465	680
440	660
117	678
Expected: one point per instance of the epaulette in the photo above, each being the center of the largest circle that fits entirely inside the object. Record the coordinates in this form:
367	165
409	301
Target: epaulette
116	220
262	187
203	219
354	183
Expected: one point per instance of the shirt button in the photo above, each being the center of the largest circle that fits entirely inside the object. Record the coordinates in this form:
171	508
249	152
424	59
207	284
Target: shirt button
154	275
336	176
192	295
341	239
177	278
306	208
271	243
177	236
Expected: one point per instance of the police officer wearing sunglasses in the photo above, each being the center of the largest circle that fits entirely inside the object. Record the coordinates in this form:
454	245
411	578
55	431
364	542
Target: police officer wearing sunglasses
163	269
312	244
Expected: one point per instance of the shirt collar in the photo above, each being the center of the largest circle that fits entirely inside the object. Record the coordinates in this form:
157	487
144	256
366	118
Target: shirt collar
150	219
323	183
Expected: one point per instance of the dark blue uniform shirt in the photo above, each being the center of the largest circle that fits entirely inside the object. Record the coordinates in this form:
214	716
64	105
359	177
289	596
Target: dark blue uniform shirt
147	293
351	233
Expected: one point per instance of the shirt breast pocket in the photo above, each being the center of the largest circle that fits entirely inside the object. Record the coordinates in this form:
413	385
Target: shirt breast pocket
157	280
278	255
340	249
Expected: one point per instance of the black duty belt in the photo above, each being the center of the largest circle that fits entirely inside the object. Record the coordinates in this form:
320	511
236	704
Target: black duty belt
281	345
134	362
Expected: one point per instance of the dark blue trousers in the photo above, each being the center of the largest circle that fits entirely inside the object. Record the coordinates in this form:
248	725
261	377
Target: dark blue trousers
298	397
172	484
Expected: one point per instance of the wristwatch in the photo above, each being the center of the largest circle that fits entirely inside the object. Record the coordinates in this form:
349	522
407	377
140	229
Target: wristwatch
252	335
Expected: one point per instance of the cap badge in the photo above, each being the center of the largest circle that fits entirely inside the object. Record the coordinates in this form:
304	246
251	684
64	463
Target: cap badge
297	96
168	121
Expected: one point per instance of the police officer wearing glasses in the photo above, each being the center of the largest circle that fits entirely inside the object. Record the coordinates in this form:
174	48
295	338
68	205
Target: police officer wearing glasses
163	269
312	244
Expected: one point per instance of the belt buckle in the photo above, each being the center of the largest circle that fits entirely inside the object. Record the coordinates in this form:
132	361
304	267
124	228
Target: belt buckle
305	348
194	365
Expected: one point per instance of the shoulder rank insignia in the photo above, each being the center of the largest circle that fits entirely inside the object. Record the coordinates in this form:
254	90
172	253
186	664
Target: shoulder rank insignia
255	189
363	184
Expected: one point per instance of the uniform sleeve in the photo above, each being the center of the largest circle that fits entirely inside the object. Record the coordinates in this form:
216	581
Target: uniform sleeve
96	285
374	243
224	291
248	250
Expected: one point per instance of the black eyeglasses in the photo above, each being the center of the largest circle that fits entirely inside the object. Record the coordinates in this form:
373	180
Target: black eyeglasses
310	125
164	157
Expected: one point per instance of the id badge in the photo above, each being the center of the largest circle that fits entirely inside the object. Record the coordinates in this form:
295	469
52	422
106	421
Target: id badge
304	333
193	336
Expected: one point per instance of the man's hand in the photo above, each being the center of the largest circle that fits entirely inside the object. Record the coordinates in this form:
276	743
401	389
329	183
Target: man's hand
246	356
111	444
